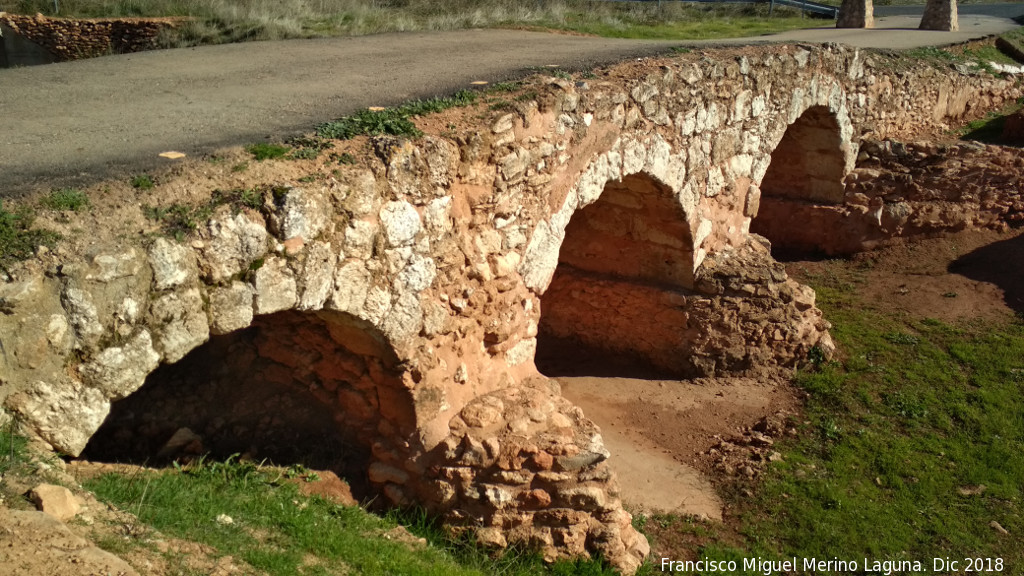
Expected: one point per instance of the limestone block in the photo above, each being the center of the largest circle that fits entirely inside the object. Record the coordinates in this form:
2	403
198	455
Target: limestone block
57	501
351	285
442	158
523	351
376	306
274	287
82	314
231	243
359	238
418	274
120	370
62	412
317	278
437	217
541	257
404	319
180	323
109	267
303	214
172	263
401	223
230	308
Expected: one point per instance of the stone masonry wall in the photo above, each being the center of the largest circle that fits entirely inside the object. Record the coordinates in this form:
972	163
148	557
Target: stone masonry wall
73	39
438	251
901	190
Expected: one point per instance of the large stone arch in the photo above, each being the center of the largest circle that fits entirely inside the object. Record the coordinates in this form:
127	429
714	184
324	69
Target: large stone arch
623	269
318	388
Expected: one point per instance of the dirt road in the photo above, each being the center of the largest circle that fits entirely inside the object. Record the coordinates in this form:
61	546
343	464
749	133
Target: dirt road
77	122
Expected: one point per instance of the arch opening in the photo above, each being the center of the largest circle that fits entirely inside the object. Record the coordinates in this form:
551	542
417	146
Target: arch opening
317	389
615	305
803	183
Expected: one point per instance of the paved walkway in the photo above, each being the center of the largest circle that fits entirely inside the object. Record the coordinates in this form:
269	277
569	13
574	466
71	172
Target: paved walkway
76	122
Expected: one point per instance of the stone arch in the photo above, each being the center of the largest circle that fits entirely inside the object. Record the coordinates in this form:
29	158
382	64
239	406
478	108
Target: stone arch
318	388
624	264
809	162
804	180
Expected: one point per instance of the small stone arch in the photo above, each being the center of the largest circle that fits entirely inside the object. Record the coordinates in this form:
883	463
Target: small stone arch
810	161
624	264
322	389
805	181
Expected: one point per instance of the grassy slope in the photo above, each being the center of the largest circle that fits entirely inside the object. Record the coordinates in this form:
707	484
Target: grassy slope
281	533
900	437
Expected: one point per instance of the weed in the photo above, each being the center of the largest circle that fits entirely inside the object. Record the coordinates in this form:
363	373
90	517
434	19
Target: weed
264	151
66	199
344	158
18	240
142	182
178	220
392	121
307	148
240	167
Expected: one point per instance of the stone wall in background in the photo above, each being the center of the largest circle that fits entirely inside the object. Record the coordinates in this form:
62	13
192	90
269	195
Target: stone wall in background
73	39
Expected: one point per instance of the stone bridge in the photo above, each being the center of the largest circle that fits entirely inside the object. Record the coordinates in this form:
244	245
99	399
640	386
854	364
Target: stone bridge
403	299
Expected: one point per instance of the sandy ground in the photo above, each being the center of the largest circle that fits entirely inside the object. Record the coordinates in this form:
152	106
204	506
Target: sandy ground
656	429
659	431
74	123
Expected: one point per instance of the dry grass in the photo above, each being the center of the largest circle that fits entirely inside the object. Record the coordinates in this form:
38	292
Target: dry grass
219	21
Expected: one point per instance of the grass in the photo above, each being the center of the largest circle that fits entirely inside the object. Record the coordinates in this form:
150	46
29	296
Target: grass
65	199
913	444
179	220
263	151
18	240
14	458
142	182
220	21
281	533
395	121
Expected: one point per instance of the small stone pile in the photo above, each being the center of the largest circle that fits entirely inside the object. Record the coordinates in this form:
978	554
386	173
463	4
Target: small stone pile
748	453
74	39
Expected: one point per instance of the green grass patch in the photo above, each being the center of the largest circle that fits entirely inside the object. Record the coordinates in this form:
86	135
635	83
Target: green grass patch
915	443
264	151
142	182
252	513
395	121
65	199
18	240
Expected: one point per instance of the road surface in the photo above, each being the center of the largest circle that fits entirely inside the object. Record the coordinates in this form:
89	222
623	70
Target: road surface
76	122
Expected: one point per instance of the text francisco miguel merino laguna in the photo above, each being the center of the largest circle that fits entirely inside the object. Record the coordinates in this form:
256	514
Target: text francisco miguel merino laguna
813	565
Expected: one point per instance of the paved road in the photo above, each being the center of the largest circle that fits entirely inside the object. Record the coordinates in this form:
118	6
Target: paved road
75	122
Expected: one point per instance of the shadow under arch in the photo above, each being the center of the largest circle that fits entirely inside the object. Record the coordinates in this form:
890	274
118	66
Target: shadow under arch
321	389
803	187
615	303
